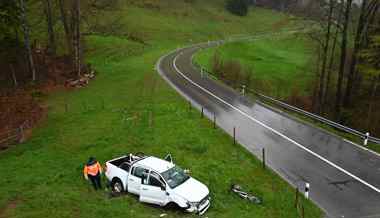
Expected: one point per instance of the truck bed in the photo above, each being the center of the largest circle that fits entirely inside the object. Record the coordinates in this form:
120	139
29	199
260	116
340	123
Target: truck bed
119	161
125	162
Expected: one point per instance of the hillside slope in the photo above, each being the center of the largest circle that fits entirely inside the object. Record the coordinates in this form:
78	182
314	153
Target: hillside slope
129	108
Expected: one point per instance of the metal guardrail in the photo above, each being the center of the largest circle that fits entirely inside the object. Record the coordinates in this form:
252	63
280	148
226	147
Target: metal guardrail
319	118
300	111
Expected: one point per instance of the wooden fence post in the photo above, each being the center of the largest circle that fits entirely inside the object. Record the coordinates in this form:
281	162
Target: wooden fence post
22	133
234	135
84	105
296	201
150	119
264	164
214	121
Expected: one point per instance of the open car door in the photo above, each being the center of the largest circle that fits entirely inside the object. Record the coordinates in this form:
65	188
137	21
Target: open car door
154	192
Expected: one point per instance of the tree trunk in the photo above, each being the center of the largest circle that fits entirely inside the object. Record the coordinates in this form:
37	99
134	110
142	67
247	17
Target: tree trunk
355	53
315	101
50	28
28	49
332	56
325	56
343	57
371	101
76	38
65	25
13	75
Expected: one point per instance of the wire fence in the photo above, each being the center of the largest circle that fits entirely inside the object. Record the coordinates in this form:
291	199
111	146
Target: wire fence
16	135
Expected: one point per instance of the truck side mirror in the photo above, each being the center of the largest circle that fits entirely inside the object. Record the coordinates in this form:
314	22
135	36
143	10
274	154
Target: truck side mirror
163	187
169	158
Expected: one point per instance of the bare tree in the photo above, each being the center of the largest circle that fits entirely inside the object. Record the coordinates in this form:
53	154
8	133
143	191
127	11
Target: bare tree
326	46
367	9
332	57
50	28
65	23
28	48
76	36
343	57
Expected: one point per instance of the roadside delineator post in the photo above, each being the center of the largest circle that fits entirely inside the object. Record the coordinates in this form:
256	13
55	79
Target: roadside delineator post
243	90
202	113
307	189
366	137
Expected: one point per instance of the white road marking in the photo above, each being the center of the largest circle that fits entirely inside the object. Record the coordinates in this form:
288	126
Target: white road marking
273	130
362	147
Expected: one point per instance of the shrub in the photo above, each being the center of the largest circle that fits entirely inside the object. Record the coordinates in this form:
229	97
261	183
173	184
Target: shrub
238	7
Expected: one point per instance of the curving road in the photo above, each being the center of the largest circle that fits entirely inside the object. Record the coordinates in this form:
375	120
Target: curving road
344	178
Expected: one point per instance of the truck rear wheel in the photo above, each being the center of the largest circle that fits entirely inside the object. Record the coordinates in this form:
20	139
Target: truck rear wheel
117	186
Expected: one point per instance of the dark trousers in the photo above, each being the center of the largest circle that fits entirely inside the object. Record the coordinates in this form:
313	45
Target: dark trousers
95	180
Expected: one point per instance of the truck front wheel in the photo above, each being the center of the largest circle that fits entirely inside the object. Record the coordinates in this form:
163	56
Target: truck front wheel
117	186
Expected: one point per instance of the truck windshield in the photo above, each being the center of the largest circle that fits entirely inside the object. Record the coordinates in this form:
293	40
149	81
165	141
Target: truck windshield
175	176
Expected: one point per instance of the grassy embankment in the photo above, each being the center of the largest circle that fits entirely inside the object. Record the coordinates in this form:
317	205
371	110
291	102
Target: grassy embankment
42	177
283	64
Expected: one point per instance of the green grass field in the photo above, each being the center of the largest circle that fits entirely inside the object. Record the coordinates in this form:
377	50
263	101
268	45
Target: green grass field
284	63
129	108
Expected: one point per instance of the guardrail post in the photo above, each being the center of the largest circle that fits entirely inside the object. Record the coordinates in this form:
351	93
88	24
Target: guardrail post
366	139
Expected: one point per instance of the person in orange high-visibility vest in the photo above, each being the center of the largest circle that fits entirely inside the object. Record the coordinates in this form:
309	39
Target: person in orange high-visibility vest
92	170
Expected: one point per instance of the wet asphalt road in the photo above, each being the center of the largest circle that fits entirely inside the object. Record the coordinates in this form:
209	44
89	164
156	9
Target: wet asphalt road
344	178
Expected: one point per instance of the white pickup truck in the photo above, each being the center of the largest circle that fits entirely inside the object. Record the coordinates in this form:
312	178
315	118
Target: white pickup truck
157	181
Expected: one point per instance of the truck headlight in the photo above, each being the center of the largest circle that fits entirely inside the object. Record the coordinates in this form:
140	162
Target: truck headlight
193	204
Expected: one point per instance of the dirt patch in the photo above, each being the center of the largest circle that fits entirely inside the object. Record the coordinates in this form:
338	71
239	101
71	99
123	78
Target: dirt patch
18	109
280	24
9	207
21	106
